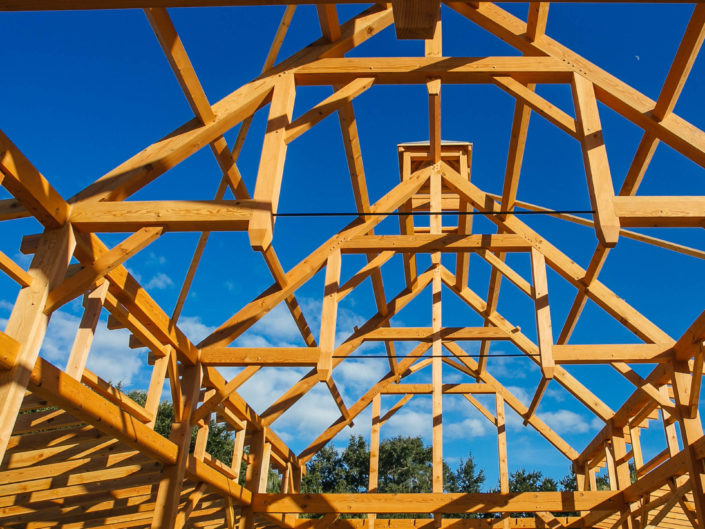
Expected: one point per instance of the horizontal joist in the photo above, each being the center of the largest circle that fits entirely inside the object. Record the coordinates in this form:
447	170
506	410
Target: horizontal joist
452	243
427	389
417	70
426	334
437	503
174	215
660	211
271	356
605	353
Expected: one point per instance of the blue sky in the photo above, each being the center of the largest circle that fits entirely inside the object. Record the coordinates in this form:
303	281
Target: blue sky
84	91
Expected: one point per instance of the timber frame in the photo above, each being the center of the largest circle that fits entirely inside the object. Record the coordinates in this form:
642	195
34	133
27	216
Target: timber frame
77	452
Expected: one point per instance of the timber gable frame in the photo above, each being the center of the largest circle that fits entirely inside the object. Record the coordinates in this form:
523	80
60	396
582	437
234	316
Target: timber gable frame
90	455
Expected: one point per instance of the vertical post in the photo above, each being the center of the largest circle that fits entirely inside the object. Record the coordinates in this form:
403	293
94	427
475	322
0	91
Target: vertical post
464	224
502	452
169	493
257	472
374	454
434	48
92	307
502	445
543	315
691	430
329	314
28	323
156	384
619	454
669	426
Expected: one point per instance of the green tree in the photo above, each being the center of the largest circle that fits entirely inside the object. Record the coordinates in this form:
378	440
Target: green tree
356	458
325	473
534	481
405	465
467	477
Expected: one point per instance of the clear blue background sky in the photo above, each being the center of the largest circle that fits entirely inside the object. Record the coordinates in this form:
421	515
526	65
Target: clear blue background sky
83	91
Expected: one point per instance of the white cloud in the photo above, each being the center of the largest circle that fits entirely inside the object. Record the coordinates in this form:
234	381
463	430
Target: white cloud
110	357
520	393
467	428
409	422
194	328
159	282
565	421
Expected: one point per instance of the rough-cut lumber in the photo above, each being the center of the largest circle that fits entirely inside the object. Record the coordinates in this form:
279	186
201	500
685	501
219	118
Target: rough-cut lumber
272	356
437	503
230	215
436	243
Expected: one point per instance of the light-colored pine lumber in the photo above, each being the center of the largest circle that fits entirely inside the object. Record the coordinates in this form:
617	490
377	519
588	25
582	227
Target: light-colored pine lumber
28	323
329	313
14	271
271	168
543	313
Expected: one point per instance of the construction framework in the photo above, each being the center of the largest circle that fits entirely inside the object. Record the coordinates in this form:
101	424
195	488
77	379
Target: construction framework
93	458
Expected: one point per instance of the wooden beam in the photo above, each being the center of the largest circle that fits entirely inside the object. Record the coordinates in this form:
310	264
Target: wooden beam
607	353
600	185
28	186
325	108
92	307
180	64
540	390
271	167
261	356
543	314
329	315
536	22
449	389
365	272
437	502
502	445
423	243
14	271
81	281
528	97
418	70
173	215
691	430
415	19
28	323
427	334
646	211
